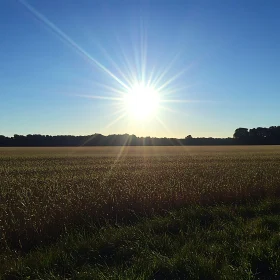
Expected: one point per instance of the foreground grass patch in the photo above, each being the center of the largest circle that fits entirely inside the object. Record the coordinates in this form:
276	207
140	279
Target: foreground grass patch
212	242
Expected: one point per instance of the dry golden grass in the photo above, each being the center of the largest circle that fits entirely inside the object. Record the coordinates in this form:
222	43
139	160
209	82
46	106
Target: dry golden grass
47	191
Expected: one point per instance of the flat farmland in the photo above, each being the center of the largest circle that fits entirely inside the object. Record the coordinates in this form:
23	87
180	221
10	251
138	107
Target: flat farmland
161	202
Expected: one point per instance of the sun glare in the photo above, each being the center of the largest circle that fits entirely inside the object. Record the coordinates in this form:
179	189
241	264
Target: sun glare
137	92
141	102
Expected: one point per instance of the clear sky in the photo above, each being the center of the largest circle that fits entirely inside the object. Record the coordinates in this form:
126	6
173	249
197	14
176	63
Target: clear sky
66	66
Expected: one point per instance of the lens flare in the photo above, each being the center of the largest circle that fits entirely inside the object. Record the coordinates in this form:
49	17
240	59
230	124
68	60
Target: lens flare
135	89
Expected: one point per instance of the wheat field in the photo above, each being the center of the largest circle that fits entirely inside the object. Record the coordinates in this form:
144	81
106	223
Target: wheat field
46	191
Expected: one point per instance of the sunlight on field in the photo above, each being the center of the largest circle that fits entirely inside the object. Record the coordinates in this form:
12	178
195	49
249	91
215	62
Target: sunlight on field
133	150
45	190
84	198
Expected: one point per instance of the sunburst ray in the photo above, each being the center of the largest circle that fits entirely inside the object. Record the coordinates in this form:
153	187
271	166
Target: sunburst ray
156	85
71	42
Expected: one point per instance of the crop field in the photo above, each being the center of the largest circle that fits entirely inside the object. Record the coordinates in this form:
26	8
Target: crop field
140	213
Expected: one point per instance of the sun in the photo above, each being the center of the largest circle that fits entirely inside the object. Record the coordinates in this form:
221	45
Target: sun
141	102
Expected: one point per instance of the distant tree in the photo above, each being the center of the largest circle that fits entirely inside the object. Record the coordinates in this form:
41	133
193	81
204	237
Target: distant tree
241	133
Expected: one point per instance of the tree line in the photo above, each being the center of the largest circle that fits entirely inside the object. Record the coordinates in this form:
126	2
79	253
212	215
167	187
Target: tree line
258	136
241	136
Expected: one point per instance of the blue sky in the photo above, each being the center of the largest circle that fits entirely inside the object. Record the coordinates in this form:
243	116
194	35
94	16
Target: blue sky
63	63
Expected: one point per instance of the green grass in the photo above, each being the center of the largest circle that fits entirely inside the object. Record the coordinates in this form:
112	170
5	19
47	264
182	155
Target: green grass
213	242
140	213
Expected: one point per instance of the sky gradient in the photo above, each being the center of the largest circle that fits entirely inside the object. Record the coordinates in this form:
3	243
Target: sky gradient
63	64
